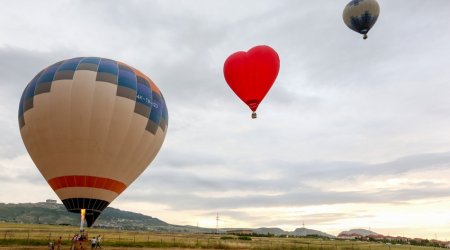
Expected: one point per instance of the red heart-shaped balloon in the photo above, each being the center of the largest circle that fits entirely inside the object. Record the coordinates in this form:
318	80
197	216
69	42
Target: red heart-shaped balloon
251	74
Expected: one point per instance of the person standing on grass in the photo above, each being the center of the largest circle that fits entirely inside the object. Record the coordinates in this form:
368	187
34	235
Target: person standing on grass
58	245
93	243
99	239
74	240
51	246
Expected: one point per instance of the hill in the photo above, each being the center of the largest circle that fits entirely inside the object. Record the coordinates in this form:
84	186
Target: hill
53	213
278	231
50	213
359	231
307	232
270	230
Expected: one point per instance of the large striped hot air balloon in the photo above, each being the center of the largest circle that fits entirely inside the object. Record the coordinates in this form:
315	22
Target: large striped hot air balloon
91	126
361	15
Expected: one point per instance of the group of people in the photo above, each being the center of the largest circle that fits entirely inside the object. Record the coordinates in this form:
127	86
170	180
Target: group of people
95	242
78	238
80	241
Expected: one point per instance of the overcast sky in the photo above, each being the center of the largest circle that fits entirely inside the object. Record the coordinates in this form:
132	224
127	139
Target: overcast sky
353	134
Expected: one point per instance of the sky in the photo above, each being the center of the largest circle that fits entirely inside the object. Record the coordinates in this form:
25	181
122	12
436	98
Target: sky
353	134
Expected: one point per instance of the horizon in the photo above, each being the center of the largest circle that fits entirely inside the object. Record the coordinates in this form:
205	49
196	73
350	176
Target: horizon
213	228
353	133
257	227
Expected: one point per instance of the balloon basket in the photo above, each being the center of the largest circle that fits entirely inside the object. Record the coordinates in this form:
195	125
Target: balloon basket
254	115
365	36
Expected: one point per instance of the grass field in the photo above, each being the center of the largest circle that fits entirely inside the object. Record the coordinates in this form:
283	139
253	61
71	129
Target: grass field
23	236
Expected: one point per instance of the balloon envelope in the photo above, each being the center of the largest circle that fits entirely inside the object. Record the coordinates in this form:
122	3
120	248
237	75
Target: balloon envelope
361	15
91	126
251	74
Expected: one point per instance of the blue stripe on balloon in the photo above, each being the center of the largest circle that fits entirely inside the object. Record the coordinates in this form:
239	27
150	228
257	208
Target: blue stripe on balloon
127	79
108	66
70	65
49	73
144	95
32	86
157	107
165	112
93	60
22	99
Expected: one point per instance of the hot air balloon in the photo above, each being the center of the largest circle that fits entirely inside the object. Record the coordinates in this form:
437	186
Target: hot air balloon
251	74
92	126
361	15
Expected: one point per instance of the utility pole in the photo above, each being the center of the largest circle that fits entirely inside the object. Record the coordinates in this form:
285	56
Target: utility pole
217	223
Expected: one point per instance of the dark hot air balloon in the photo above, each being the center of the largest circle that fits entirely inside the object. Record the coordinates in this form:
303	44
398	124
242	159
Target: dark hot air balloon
91	126
361	15
251	74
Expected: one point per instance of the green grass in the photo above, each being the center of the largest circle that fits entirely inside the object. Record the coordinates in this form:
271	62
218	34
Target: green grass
23	242
40	235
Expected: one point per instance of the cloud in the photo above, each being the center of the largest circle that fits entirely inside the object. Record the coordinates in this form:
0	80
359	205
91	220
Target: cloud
293	184
305	197
348	121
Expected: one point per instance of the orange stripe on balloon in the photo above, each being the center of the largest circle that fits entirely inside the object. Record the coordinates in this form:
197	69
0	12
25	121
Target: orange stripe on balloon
152	84
86	181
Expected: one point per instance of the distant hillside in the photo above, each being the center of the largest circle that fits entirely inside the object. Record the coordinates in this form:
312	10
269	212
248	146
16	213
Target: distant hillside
52	213
306	231
48	213
362	232
278	231
37	213
271	230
